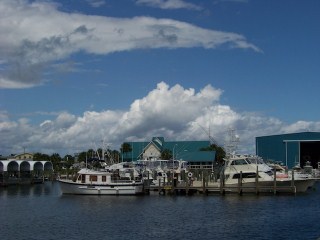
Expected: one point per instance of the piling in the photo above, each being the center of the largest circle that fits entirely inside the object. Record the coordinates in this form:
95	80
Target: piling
187	187
240	184
274	182
257	180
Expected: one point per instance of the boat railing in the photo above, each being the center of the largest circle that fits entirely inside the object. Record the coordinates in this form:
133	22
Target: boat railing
125	181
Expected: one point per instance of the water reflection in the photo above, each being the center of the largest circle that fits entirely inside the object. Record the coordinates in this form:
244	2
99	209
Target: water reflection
31	190
41	210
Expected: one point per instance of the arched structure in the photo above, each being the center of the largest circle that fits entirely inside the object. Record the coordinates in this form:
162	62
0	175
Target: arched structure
13	171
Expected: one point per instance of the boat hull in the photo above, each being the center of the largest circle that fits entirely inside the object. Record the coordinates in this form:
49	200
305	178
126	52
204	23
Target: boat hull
69	187
283	186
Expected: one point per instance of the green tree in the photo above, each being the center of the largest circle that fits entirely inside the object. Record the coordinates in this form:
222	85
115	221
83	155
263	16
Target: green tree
68	160
41	157
166	154
82	156
126	147
220	152
113	155
56	161
91	153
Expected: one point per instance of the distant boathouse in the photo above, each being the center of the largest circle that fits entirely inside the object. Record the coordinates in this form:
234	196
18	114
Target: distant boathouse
23	170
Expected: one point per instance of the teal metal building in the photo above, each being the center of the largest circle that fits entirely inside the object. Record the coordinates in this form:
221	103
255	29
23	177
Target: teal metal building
290	149
190	151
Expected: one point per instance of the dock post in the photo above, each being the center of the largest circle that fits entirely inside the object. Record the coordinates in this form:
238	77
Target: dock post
174	182
240	184
203	183
257	181
274	182
222	190
187	183
292	183
159	189
207	179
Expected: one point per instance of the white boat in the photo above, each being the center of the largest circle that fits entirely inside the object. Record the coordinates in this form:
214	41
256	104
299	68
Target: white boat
251	171
158	171
103	182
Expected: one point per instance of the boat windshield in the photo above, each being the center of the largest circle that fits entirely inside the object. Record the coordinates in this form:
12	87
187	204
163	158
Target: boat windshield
239	162
255	160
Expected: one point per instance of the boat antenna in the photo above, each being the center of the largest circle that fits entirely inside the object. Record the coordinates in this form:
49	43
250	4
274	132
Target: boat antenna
232	142
86	160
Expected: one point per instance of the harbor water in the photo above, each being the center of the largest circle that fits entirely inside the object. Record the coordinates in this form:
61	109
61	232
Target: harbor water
41	212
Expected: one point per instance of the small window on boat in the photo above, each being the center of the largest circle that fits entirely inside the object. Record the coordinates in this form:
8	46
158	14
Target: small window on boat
104	178
93	178
244	175
270	173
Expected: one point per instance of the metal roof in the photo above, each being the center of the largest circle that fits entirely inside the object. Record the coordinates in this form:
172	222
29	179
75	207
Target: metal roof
186	150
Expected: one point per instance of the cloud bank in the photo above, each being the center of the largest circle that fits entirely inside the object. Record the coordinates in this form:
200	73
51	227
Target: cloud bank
173	112
36	35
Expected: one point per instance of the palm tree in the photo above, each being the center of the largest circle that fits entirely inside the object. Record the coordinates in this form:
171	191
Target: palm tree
126	147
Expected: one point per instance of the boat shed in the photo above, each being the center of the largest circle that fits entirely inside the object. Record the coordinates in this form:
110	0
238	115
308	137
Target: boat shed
290	149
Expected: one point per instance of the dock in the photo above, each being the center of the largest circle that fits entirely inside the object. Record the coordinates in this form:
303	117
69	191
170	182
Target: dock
195	190
208	186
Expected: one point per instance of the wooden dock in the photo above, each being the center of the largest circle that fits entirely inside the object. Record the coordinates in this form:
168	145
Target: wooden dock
207	187
191	190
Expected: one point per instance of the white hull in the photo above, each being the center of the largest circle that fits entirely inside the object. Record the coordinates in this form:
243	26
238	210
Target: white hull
281	186
300	186
70	187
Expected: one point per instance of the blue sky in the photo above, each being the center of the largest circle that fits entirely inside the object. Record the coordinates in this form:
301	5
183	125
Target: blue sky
78	71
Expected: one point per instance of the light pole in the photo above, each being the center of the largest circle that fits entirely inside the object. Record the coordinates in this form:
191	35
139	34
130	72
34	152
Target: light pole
173	164
173	151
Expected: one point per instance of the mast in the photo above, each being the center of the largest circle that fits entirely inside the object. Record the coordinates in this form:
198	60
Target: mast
232	143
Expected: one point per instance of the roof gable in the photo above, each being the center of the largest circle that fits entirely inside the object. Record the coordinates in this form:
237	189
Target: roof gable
158	142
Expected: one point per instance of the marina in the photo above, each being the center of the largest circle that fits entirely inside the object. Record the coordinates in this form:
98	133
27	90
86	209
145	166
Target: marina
240	174
159	120
228	173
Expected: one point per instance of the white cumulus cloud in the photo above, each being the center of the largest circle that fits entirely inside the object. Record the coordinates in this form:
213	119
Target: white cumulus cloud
175	113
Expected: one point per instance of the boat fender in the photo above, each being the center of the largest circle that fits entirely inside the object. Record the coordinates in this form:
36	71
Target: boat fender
189	174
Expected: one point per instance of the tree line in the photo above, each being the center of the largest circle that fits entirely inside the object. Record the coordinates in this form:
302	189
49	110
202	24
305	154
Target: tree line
110	156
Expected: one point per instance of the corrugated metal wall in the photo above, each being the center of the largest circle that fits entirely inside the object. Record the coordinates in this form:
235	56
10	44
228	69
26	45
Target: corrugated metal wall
286	148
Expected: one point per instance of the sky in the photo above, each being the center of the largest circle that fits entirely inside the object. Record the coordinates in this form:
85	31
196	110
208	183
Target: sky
75	74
